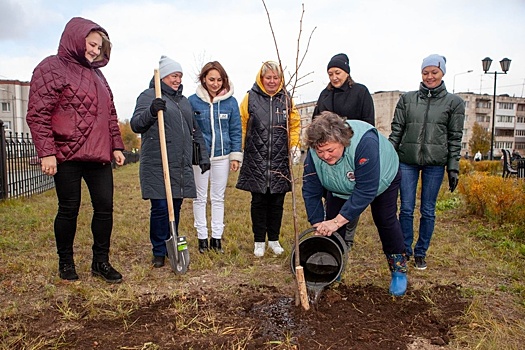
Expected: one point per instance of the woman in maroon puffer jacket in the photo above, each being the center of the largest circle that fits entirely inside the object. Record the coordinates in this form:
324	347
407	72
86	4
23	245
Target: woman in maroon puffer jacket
75	129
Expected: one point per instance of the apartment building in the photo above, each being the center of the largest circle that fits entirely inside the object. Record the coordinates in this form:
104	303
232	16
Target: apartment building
384	106
14	96
306	111
509	124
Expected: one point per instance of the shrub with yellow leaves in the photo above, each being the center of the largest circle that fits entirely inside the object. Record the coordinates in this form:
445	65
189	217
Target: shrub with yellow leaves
501	200
486	166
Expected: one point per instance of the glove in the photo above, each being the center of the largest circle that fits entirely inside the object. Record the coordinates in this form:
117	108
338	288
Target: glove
452	180
295	154
204	167
157	105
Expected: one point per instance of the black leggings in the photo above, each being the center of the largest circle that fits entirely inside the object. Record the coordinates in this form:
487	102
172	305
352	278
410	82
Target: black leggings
99	180
267	215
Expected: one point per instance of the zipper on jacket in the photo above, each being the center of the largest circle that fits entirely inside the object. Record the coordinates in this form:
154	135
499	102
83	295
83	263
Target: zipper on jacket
212	126
182	158
182	122
424	128
220	127
270	139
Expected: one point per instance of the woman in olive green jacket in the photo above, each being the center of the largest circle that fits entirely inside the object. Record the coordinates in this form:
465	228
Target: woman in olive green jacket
426	132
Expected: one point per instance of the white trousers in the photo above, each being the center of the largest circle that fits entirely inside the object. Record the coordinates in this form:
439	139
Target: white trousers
217	178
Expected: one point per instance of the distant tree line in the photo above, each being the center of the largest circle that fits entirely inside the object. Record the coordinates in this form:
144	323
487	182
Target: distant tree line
130	139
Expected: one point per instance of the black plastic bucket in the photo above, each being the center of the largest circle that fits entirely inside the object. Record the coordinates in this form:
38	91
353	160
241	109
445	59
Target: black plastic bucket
323	258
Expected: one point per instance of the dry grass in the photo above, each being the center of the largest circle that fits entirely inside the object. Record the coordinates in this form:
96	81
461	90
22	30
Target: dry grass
463	251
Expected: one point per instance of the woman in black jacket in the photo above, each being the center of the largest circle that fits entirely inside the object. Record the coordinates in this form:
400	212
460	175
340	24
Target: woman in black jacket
270	125
351	101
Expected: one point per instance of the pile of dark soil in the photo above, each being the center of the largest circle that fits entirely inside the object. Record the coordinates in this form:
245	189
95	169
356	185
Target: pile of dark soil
346	317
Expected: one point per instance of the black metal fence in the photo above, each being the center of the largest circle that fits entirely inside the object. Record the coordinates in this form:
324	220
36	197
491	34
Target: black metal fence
20	171
520	167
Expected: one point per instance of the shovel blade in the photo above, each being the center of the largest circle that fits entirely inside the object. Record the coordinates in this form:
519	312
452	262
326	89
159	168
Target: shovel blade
178	254
171	247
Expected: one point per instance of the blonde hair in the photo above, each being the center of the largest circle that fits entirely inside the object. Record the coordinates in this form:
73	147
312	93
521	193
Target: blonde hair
105	51
271	66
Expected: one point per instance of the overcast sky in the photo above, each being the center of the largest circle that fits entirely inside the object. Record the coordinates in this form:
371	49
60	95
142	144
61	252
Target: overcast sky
385	40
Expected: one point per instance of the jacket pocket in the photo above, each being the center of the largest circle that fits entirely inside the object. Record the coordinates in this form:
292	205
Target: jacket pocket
64	125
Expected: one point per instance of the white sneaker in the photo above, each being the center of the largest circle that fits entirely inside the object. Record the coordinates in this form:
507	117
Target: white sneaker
259	249
276	247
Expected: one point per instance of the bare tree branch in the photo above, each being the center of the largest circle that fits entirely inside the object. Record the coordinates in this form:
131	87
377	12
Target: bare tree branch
301	292
301	85
291	88
273	35
307	48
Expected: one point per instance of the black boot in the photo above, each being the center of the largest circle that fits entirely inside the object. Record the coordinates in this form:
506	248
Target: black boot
203	245
158	261
106	271
215	244
67	272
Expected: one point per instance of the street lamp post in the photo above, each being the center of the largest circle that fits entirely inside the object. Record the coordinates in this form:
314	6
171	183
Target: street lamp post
454	83
505	65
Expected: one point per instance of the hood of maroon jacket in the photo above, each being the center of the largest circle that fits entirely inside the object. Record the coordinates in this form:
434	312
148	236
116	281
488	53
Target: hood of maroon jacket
71	113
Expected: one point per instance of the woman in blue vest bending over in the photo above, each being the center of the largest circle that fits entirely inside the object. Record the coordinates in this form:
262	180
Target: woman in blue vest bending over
360	167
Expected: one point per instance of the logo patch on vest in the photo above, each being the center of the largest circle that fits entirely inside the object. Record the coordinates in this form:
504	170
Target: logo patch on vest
350	176
363	161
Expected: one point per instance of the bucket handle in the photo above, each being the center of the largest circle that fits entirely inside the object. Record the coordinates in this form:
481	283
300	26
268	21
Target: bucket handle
342	243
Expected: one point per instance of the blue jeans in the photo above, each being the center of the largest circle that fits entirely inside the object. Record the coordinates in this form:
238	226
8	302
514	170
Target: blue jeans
431	180
68	186
159	224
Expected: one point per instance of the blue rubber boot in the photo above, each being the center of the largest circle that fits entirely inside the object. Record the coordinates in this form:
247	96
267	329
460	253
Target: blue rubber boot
398	268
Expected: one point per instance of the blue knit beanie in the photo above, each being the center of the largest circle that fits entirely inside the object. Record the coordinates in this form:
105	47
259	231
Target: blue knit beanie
437	61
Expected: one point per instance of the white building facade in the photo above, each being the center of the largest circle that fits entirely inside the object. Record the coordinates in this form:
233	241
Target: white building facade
13	106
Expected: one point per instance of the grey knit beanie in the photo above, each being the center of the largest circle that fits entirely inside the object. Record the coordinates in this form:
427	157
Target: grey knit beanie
168	66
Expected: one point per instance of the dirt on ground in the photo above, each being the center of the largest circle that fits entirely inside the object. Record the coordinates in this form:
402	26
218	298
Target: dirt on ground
264	317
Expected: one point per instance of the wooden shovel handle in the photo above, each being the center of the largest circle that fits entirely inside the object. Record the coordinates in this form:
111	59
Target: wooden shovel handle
163	149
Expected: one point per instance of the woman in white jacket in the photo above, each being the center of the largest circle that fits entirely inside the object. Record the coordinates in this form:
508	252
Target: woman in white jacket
217	113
